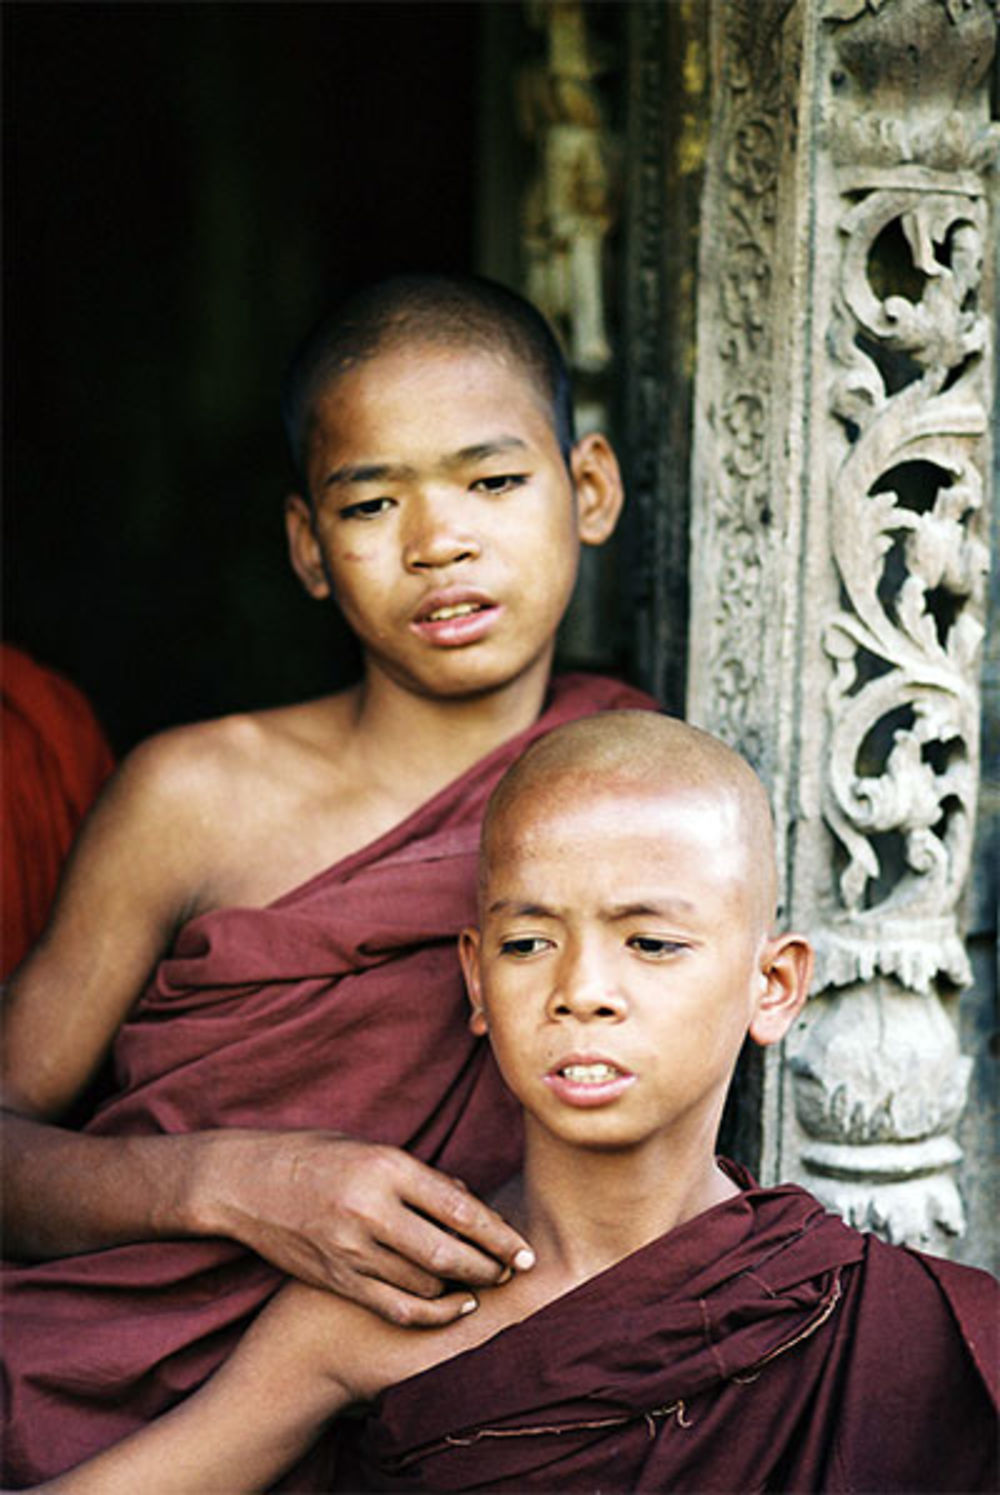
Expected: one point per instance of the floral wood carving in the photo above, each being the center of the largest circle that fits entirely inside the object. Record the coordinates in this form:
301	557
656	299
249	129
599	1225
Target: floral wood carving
878	1082
908	536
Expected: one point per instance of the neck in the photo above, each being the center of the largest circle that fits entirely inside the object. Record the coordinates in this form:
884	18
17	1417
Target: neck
584	1210
435	738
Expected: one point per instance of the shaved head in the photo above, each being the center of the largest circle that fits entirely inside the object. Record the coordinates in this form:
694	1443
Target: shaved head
625	751
427	311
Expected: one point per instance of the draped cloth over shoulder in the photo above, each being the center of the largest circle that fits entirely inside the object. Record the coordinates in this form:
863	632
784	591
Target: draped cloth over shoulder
340	1006
763	1345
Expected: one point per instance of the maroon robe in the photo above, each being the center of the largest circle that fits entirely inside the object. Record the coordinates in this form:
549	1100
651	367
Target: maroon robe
341	1005
762	1346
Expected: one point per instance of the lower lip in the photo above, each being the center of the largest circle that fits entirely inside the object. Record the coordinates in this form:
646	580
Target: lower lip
451	633
577	1093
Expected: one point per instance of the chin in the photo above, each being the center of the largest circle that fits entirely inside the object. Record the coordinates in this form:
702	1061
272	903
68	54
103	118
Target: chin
468	680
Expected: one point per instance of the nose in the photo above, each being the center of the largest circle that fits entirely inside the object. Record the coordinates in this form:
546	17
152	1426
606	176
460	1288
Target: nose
587	987
436	534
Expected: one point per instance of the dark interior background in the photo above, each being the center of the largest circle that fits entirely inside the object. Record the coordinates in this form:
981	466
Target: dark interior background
187	186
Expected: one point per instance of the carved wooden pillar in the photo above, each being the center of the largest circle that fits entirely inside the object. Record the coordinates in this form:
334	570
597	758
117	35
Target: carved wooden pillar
841	478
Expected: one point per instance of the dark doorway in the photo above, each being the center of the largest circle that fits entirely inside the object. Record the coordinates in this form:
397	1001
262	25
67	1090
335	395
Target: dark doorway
186	187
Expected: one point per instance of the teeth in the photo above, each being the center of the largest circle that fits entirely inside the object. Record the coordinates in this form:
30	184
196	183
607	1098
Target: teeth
589	1074
460	610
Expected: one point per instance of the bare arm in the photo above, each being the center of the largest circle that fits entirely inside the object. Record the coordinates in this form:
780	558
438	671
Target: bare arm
307	1356
123	894
333	1211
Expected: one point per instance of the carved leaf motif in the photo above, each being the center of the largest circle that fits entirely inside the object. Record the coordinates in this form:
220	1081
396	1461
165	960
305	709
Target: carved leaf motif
941	326
914	619
752	161
870	537
910	559
752	134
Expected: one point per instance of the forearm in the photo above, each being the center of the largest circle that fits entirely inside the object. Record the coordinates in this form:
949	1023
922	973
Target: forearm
201	1445
66	1192
256	1416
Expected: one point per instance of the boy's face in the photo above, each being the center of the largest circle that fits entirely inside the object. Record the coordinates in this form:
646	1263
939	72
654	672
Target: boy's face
445	520
621	960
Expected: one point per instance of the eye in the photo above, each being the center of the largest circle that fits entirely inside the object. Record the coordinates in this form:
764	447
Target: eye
366	508
654	947
524	945
503	482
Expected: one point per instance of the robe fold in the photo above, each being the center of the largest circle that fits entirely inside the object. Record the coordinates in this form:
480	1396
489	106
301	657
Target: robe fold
55	759
341	1006
764	1345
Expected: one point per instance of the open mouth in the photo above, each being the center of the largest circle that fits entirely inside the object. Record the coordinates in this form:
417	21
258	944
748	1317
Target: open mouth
587	1082
456	610
447	622
590	1074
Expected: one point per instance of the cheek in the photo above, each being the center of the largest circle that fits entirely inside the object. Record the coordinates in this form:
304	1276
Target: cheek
358	572
507	1028
353	552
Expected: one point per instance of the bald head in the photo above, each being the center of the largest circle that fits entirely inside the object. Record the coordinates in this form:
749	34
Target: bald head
625	751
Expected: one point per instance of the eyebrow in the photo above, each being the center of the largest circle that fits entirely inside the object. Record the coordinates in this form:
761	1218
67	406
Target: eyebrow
521	910
483	449
369	472
400	472
666	909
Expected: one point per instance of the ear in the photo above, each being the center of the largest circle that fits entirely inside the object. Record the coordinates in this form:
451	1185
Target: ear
468	954
785	973
304	550
597	482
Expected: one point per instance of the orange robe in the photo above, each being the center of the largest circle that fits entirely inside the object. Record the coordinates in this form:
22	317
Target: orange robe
55	759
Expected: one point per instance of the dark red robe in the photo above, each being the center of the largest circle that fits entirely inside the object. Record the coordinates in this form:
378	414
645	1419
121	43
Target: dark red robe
342	1006
55	759
762	1346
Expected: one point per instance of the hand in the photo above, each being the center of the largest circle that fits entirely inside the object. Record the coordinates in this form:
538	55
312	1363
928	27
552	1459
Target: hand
365	1220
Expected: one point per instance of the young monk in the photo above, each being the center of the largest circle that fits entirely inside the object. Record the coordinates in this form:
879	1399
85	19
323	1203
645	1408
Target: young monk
259	922
683	1329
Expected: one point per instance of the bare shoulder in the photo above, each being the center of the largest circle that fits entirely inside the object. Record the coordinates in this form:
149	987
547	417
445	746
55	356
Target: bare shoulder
333	1339
189	768
258	800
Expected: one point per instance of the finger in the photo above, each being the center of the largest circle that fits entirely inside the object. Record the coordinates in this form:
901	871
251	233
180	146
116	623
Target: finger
448	1256
435	1196
436	1249
383	1263
413	1312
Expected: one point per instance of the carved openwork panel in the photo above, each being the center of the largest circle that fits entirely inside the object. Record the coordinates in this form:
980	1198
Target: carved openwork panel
841	486
908	535
878	1082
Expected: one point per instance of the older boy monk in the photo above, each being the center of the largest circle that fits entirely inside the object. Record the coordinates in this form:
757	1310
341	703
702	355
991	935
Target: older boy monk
284	889
683	1329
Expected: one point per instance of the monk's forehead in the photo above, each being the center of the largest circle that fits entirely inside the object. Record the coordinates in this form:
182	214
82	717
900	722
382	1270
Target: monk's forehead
625	747
636	756
572	805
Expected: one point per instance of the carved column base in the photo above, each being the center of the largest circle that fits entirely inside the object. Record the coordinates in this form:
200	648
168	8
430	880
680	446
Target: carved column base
916	1212
878	1084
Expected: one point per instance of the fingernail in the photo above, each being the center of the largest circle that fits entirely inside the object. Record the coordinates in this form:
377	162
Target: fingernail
524	1259
469	1306
505	1276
